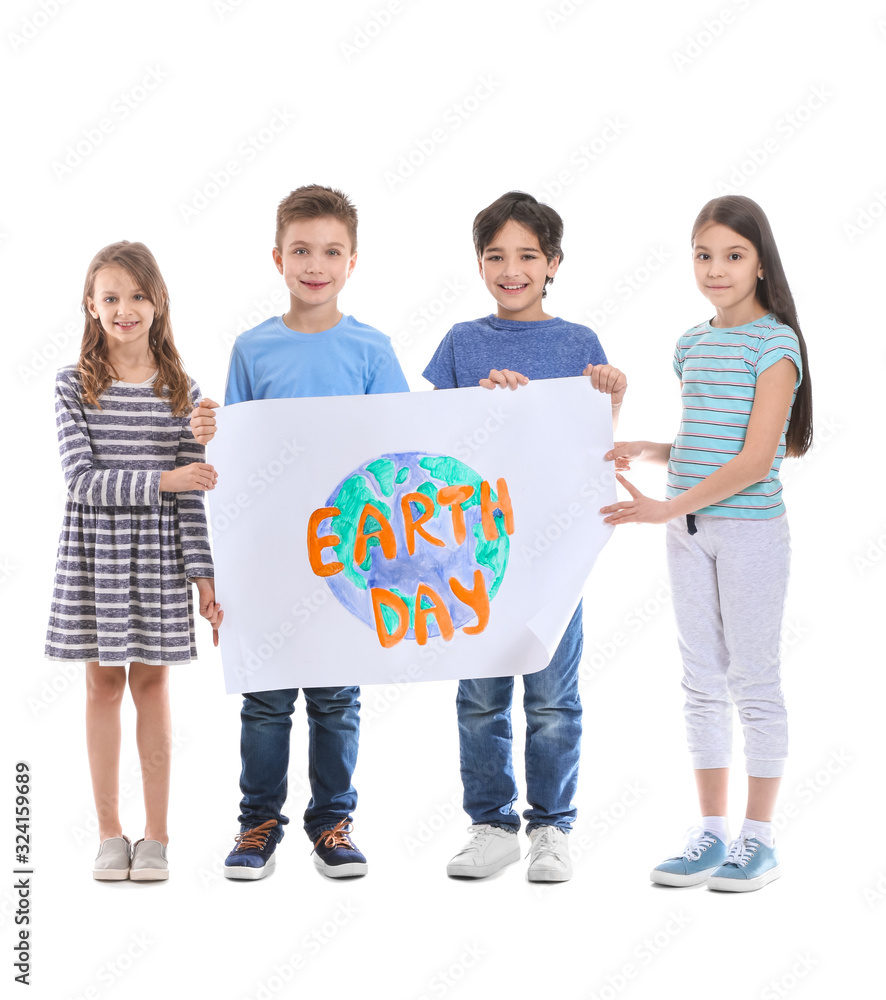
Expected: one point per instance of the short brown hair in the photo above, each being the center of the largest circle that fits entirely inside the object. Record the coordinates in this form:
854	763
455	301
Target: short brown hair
312	201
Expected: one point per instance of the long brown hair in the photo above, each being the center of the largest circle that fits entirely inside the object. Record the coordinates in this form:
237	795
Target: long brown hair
745	217
96	372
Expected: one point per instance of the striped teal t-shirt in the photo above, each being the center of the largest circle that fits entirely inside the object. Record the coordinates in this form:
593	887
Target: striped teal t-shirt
719	369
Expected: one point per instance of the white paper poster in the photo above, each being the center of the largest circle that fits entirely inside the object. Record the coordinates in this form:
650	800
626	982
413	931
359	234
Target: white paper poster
410	536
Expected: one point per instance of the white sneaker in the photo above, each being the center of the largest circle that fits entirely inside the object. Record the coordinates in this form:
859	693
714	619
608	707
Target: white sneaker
488	851
549	855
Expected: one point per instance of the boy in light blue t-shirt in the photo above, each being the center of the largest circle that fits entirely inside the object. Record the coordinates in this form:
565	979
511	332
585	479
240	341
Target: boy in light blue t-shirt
313	350
518	249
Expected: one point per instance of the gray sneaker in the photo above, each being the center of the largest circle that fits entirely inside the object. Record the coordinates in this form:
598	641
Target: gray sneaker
148	861
488	850
112	863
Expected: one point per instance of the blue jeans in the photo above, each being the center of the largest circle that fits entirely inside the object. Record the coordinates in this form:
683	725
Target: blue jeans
553	741
333	734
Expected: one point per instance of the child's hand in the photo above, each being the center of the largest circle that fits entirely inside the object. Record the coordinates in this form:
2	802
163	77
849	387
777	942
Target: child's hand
504	379
638	510
623	453
608	379
208	607
195	476
203	421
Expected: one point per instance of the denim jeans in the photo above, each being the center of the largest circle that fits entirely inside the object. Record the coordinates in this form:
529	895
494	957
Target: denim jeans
333	736
553	741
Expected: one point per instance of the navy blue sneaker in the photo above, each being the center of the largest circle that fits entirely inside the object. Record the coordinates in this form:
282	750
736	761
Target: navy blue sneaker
253	857
336	856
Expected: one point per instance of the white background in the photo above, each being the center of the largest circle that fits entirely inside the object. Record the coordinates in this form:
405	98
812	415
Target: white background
689	94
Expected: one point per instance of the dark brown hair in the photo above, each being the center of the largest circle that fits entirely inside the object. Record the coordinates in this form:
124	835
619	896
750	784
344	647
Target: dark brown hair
745	217
96	372
541	220
312	201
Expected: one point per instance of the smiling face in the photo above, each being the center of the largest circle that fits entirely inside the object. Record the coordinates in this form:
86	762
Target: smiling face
727	270
515	270
315	259
121	306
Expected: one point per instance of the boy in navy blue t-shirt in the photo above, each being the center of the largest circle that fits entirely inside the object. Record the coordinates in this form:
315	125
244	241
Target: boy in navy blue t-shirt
518	249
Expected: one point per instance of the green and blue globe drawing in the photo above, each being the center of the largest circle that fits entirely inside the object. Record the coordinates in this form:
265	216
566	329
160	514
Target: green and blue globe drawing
383	482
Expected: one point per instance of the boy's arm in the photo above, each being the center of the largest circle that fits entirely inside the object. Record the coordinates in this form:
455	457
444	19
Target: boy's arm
237	390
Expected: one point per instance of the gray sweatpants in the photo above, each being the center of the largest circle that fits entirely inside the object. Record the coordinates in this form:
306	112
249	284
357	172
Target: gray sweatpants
729	582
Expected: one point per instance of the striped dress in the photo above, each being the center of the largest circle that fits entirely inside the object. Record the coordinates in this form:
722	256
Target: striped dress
126	550
719	368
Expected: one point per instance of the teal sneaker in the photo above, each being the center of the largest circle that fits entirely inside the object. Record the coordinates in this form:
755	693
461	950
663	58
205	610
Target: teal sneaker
749	865
703	854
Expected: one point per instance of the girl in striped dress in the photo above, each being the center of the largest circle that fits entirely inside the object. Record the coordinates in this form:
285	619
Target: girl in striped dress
134	537
747	402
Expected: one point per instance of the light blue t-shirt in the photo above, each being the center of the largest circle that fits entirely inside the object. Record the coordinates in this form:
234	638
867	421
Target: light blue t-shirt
719	368
546	348
270	361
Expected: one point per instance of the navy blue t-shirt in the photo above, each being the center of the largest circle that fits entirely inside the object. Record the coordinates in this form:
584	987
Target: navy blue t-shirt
546	348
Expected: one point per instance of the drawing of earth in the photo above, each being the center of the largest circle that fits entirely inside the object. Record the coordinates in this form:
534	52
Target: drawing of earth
383	482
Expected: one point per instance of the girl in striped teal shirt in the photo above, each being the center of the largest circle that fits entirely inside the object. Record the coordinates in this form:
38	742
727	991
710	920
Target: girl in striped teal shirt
746	404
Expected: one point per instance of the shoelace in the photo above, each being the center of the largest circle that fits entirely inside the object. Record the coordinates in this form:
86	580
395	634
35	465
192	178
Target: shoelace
544	843
696	842
742	850
476	843
256	838
336	837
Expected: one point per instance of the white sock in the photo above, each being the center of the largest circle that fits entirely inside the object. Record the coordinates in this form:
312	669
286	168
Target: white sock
762	831
717	825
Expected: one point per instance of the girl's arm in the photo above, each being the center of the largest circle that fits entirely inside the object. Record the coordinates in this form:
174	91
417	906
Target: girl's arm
772	403
87	484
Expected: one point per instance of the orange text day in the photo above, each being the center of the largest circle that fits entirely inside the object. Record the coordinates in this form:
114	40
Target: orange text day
427	601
